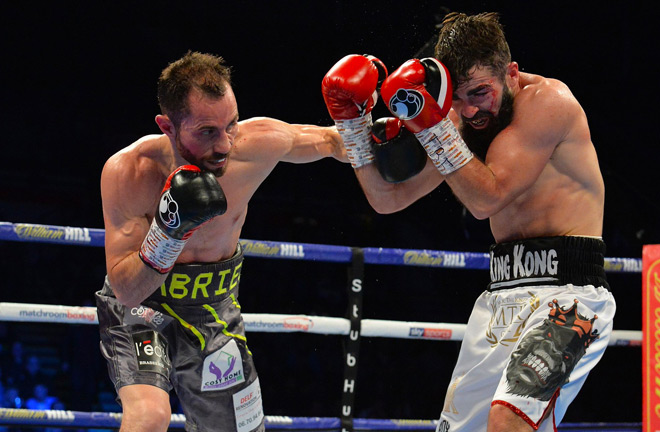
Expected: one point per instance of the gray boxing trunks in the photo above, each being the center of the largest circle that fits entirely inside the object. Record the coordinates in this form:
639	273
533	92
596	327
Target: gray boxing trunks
188	335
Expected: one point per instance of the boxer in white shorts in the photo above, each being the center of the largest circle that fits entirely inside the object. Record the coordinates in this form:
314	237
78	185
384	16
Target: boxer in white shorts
534	335
515	148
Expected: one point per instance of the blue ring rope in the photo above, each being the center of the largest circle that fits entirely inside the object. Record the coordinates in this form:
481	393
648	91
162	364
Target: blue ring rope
60	418
26	232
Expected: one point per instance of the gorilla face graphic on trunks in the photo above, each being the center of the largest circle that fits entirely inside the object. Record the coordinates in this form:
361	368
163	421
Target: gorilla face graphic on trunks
547	355
543	361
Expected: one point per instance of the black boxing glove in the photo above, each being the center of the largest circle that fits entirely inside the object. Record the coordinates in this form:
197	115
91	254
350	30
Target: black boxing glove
398	154
189	199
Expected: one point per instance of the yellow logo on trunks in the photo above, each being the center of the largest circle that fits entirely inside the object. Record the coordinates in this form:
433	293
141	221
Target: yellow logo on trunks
205	285
507	322
449	398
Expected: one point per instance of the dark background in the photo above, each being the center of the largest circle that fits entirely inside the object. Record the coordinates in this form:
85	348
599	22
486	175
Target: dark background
78	82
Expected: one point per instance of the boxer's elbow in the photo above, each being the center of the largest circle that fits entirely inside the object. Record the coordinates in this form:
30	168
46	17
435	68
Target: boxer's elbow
480	213
129	301
385	209
386	204
483	209
127	286
125	295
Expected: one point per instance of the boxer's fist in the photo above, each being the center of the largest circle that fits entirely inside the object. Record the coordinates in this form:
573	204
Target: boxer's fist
350	91
350	86
419	93
398	154
189	199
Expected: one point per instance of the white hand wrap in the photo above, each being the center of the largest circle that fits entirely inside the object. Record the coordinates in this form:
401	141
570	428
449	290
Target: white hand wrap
159	250
356	134
445	146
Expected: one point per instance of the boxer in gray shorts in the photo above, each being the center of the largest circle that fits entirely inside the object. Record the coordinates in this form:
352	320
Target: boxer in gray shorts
173	204
188	335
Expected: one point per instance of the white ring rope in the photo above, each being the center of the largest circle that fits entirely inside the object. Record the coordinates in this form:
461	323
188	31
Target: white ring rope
280	323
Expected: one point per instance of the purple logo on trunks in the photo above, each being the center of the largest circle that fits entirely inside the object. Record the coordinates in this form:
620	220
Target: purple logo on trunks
215	370
223	369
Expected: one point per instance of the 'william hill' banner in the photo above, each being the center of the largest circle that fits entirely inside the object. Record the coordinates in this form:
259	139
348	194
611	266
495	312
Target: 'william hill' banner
651	338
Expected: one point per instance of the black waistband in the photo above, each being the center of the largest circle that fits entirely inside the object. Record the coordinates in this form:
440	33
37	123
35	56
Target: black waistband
191	284
548	261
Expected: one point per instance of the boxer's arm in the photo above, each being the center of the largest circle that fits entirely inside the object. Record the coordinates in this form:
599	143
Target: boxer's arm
385	197
126	225
267	138
309	143
268	141
518	154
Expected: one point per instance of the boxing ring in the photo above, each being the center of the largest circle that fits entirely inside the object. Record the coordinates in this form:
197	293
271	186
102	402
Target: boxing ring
351	327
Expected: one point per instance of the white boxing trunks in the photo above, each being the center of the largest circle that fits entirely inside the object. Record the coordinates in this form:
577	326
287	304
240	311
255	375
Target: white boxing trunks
534	335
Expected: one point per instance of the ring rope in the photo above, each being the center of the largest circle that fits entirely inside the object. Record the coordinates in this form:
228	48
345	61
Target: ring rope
26	232
61	418
282	323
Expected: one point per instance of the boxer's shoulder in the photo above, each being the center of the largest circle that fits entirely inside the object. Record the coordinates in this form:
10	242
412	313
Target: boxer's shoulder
150	157
141	169
269	139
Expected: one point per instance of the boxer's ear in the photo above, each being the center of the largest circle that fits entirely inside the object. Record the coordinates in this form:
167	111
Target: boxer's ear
166	125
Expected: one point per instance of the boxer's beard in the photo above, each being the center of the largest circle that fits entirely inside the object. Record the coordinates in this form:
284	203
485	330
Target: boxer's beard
478	140
199	163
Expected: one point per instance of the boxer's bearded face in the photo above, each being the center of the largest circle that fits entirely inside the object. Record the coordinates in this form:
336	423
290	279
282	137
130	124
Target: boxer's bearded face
478	140
484	104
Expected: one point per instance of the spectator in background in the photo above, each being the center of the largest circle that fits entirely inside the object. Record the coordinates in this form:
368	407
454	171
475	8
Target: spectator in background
40	399
11	398
31	376
14	365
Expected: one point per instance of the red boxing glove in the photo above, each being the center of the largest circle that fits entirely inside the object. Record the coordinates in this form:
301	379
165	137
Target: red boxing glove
419	93
350	87
350	91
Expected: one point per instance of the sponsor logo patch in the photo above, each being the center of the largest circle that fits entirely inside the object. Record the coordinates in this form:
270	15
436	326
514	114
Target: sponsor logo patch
430	333
151	352
223	369
248	407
